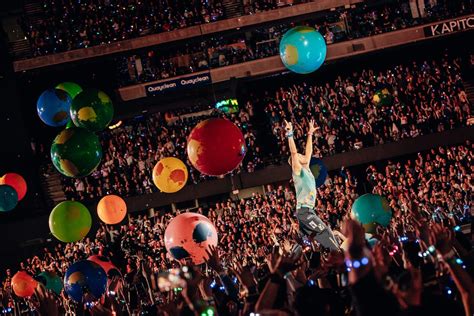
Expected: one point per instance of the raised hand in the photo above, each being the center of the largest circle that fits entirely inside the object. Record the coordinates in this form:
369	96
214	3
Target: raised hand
312	127
47	302
282	264
442	238
412	295
288	126
244	275
355	234
213	260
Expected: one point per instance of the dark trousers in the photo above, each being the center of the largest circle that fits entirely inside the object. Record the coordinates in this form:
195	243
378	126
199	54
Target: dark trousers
312	226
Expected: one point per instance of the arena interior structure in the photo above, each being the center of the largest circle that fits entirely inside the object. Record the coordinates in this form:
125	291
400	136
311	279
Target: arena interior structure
145	148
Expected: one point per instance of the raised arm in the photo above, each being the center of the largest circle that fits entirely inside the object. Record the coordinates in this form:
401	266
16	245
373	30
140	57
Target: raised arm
295	162
309	141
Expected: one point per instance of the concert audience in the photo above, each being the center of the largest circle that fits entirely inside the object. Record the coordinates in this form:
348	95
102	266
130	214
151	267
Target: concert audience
130	153
261	265
422	98
68	25
373	107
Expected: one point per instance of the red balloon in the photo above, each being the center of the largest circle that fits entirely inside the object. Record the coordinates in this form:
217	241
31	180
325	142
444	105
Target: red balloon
23	284
216	146
188	235
15	181
105	264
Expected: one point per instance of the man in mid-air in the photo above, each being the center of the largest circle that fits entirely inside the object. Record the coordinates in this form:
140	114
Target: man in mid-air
305	184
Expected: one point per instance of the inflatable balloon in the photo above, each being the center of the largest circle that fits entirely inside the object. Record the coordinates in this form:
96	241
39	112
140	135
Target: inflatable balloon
105	264
8	198
303	49
216	146
383	97
70	221
319	170
76	152
111	209
92	109
372	208
370	228
170	175
53	107
188	235
23	284
17	182
73	89
85	280
51	281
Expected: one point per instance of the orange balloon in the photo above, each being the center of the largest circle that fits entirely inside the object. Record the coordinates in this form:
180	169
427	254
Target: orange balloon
23	284
111	209
15	181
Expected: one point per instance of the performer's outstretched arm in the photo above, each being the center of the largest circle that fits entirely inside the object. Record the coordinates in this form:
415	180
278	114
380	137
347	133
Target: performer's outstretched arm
309	142
295	162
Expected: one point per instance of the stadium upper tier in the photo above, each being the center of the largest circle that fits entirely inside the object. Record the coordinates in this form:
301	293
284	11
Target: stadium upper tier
64	26
339	20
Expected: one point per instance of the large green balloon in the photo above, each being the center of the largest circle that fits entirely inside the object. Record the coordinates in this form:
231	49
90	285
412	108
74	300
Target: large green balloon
92	109
76	152
70	221
51	281
372	208
73	89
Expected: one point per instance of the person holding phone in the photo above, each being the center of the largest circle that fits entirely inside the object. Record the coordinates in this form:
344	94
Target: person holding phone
310	224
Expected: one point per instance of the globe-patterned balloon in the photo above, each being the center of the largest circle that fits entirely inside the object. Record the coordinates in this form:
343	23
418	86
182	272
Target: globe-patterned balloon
383	97
53	107
216	147
76	152
371	228
73	89
372	208
105	264
17	182
92	109
188	235
51	281
170	175
319	170
302	49
8	198
70	221
85	280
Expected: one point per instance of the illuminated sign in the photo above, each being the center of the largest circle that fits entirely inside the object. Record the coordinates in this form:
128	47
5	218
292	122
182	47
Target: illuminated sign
228	106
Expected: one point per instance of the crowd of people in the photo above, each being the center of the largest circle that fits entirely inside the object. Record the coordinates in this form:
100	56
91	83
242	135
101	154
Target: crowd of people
414	99
67	25
336	26
371	107
421	264
131	152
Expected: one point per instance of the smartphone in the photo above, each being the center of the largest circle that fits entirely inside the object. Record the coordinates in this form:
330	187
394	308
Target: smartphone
174	279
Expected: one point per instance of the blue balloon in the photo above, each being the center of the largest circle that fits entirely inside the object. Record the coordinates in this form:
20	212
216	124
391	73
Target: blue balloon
8	198
85	281
53	107
303	49
319	170
372	208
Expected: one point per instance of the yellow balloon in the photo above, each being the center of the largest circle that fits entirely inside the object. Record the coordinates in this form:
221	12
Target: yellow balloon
170	175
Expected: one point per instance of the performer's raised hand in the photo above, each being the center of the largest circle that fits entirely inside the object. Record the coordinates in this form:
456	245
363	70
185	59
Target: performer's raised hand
288	126
312	128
